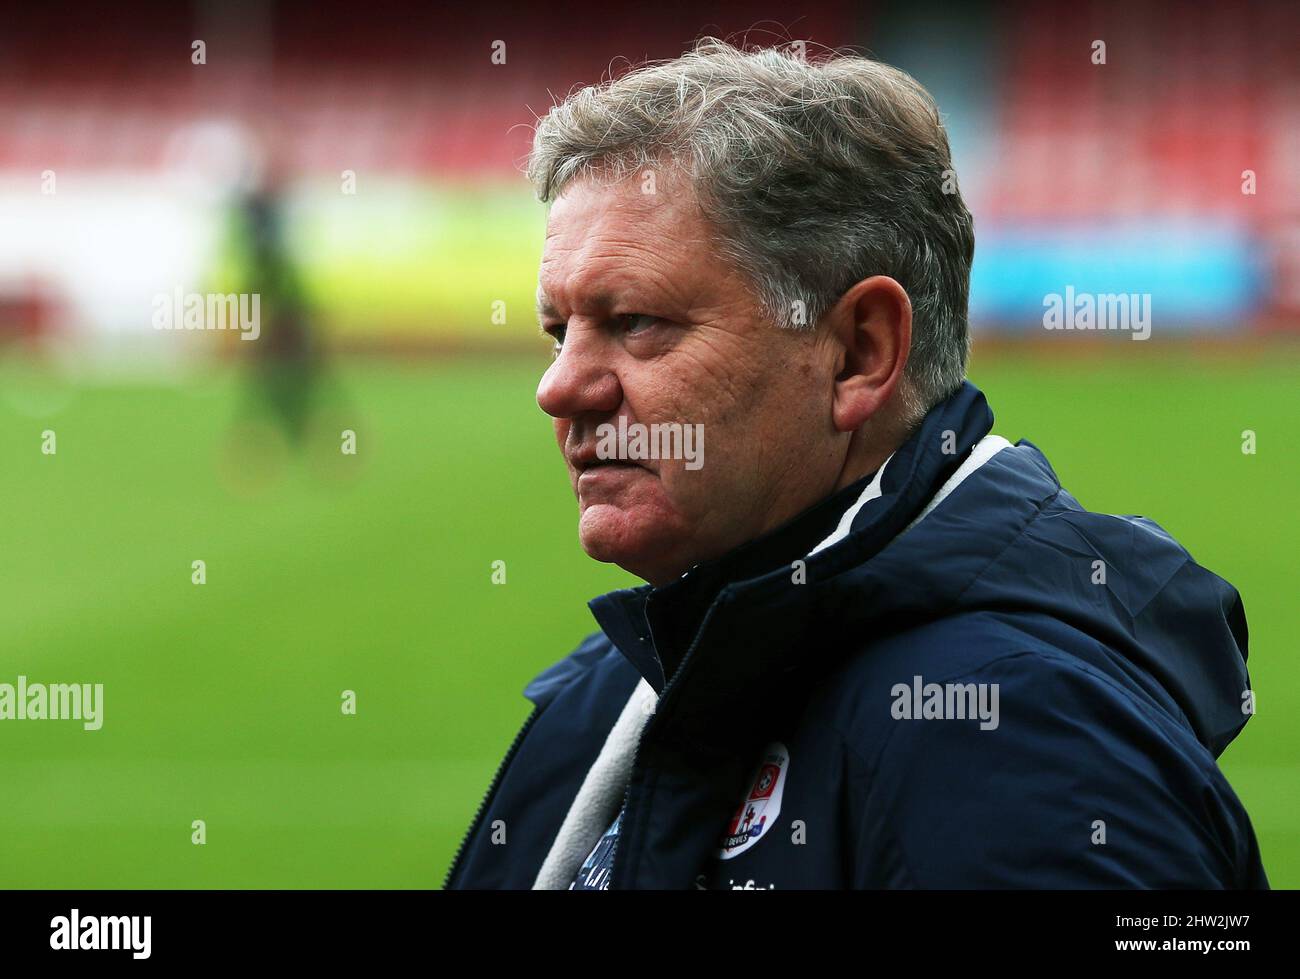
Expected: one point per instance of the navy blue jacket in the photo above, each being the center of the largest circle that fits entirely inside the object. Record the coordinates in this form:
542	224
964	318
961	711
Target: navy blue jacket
1118	664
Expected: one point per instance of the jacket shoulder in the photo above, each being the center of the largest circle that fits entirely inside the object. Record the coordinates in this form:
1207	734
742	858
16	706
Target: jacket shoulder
1034	769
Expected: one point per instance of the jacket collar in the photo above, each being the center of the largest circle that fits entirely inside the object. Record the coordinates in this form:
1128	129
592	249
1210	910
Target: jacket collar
653	627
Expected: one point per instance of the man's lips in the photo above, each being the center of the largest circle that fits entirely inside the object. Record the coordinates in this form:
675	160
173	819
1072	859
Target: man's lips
588	461
607	469
594	475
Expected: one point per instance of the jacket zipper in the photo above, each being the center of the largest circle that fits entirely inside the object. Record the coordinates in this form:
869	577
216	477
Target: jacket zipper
663	696
487	797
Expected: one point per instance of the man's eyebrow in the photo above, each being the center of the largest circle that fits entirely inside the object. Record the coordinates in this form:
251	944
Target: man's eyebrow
545	308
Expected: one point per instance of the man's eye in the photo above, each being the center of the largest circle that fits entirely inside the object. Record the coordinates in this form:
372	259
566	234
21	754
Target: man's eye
636	322
556	332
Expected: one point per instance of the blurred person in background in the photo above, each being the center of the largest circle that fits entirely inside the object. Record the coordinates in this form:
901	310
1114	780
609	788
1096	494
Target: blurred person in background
286	358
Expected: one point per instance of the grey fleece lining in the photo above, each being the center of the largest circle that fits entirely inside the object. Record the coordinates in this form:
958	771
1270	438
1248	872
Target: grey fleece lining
597	801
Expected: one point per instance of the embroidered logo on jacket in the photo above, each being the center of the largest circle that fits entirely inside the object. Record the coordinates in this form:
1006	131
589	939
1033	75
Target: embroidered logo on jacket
762	805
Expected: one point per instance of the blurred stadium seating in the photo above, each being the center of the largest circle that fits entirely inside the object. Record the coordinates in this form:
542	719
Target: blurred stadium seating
1125	176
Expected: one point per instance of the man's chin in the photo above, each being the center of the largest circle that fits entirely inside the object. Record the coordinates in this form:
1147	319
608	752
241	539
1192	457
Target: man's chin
639	545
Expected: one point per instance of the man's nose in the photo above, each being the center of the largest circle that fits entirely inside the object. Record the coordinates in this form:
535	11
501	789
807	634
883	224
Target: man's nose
580	379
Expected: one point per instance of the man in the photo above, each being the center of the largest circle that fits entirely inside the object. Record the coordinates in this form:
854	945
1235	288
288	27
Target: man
877	646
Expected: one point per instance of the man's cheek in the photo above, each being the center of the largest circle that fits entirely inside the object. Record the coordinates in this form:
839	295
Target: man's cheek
684	490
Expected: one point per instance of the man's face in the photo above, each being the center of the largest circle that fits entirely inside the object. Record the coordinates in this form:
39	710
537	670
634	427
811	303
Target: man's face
652	326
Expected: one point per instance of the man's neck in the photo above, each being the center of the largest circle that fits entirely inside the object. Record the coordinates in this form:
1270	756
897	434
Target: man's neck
870	446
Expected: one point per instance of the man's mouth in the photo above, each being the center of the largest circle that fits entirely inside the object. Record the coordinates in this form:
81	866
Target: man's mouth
607	463
587	461
602	468
592	472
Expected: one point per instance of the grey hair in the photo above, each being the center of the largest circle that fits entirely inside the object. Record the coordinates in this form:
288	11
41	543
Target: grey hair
816	172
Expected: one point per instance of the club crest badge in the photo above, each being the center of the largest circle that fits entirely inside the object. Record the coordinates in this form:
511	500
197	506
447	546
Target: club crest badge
757	814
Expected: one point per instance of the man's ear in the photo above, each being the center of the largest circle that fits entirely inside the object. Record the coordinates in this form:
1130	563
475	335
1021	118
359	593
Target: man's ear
871	326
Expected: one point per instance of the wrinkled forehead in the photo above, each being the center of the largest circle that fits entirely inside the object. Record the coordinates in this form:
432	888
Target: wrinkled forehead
639	203
604	237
